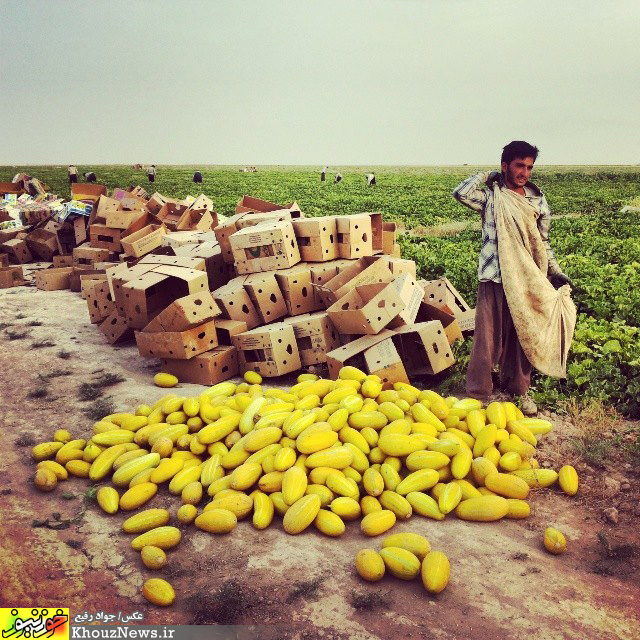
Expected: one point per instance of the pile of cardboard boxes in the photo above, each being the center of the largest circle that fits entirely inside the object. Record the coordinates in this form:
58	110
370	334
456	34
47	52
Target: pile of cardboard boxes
266	289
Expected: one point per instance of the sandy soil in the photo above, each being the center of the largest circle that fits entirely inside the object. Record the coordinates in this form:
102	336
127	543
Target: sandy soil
503	584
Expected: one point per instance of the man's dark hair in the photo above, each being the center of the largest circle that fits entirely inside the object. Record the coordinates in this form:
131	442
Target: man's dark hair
518	149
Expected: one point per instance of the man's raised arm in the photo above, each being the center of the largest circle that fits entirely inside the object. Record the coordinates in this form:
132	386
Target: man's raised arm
472	191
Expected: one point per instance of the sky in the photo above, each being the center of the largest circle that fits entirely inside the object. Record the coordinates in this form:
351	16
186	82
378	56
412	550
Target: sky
338	82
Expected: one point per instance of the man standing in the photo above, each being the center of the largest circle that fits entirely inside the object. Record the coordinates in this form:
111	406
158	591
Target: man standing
151	172
496	338
73	173
323	173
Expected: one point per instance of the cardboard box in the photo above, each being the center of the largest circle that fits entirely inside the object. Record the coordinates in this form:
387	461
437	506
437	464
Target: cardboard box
372	354
11	187
410	293
104	205
354	236
219	272
43	244
170	215
4	260
236	304
53	279
11	277
428	312
118	276
265	247
62	261
90	255
248	204
223	232
80	272
174	261
315	335
156	202
266	296
120	219
197	220
367	309
88	279
370	270
208	368
103	237
226	329
317	238
254	219
178	345
185	313
143	241
271	350
87	192
146	296
115	328
399	266
202	203
99	301
297	289
442	294
390	244
424	348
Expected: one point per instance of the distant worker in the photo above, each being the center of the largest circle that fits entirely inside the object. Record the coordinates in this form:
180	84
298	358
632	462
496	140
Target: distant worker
337	178
371	180
90	176
151	173
72	170
197	177
323	173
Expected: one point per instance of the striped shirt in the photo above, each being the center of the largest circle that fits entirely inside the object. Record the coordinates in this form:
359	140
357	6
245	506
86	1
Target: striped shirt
474	193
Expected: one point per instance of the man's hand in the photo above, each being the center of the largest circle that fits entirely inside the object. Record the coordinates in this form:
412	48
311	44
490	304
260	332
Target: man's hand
560	279
494	177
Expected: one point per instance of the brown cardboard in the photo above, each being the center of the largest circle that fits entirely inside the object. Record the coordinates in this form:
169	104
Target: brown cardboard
369	270
265	247
80	272
261	218
236	304
174	261
266	296
90	255
104	206
424	348
185	313
87	191
115	328
143	241
297	289
390	244
366	309
248	204
9	234
373	354
208	368
315	336
140	192
410	293
98	297
400	265
53	279
202	203
119	219
441	293
271	350
103	237
146	296
354	236
219	272
317	238
228	328
170	215
429	312
4	260
156	202
178	345
121	274
377	230
11	187
11	277
62	261
224	231
88	279
197	220
43	244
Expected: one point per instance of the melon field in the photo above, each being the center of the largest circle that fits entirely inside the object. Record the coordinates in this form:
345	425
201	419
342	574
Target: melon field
61	549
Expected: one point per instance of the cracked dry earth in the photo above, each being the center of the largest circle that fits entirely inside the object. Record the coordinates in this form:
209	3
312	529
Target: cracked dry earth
503	584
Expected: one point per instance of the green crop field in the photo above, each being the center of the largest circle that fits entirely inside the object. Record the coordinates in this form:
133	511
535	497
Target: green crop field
597	246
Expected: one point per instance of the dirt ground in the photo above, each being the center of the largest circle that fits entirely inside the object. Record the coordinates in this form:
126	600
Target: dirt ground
503	584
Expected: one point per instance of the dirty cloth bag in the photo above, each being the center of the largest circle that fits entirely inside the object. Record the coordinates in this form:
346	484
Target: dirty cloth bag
544	318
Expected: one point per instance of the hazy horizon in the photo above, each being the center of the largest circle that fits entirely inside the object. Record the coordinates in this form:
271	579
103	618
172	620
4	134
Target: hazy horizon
338	82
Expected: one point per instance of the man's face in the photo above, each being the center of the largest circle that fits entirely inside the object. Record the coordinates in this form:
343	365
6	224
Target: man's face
517	172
